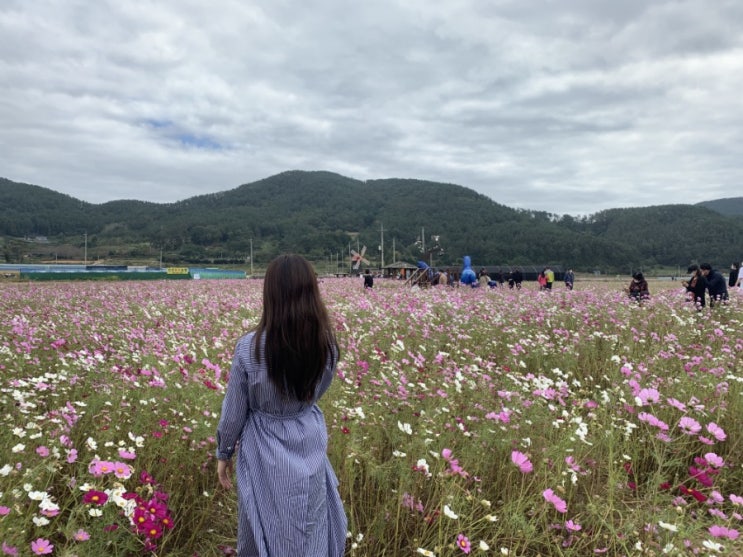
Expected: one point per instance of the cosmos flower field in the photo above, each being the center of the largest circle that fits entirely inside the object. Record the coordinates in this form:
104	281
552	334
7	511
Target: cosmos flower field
462	421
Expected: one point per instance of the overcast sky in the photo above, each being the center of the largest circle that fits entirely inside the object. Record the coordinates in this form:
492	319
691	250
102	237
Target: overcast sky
568	106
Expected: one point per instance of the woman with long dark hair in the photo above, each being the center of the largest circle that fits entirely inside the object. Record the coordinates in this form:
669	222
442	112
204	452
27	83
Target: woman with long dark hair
288	502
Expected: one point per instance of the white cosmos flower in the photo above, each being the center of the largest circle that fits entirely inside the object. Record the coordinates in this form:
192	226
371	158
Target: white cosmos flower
483	546
426	552
91	444
398	453
40	520
450	513
37	495
95	512
712	545
18	448
5	470
405	428
667	526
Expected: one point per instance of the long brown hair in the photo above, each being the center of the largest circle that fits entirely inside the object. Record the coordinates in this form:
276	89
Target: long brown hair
298	337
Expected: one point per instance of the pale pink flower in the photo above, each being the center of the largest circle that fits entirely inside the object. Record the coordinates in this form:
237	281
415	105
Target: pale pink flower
647	396
81	535
716	431
689	425
723	532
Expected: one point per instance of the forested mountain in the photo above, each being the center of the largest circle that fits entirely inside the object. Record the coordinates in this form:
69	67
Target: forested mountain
322	215
731	206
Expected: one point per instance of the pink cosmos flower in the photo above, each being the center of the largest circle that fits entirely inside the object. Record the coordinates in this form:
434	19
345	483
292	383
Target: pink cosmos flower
127	455
9	549
446	453
71	456
736	499
463	543
714	460
652	420
572	526
689	425
723	532
41	546
81	535
647	396
6	510
522	461
716	431
42	451
559	504
100	467
121	470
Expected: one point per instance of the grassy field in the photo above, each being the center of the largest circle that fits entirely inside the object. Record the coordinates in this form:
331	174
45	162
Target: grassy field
462	421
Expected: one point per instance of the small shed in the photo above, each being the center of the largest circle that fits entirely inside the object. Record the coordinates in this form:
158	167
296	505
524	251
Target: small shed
399	269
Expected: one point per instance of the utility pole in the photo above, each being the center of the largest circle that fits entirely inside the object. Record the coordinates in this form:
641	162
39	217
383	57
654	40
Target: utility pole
381	247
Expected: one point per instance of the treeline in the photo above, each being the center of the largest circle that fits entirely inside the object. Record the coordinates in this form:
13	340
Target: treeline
323	215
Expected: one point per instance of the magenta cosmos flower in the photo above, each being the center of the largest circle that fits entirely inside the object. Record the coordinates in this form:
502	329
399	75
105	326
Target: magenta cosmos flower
95	497
463	543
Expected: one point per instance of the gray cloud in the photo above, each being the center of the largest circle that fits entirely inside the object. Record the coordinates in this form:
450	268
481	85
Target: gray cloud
566	107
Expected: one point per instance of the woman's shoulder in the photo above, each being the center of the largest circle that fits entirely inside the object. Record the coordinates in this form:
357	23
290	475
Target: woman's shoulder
245	344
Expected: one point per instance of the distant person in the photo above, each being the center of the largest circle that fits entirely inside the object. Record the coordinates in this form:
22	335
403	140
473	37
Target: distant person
569	279
716	287
518	278
734	272
368	279
549	275
542	280
696	286
484	278
739	284
287	492
638	288
443	277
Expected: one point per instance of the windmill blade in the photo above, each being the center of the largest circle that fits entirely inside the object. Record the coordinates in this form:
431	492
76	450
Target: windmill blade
358	258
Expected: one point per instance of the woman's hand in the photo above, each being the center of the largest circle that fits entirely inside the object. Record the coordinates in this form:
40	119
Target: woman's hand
224	473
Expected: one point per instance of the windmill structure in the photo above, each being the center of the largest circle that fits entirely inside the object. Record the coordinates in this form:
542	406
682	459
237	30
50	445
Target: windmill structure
357	258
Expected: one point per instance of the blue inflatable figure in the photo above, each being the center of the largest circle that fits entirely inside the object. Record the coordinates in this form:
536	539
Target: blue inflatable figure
468	275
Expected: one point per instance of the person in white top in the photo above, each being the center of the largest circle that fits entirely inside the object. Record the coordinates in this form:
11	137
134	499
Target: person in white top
739	284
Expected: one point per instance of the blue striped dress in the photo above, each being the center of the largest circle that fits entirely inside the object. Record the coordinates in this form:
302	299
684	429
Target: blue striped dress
288	501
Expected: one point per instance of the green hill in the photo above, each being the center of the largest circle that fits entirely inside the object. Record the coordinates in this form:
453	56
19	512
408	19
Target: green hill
730	206
322	215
